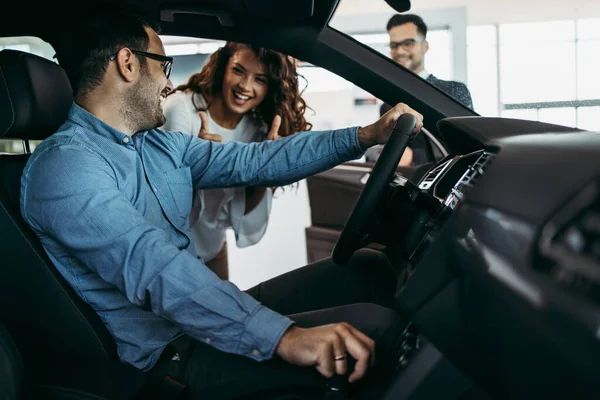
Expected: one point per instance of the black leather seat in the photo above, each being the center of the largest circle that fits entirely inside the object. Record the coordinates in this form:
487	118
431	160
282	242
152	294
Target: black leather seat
56	332
11	367
34	298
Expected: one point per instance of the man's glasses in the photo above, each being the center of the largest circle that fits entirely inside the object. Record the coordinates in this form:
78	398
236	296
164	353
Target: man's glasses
406	44
167	62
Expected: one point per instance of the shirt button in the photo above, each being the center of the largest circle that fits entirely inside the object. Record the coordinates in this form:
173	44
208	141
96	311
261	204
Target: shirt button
256	353
125	139
154	189
208	340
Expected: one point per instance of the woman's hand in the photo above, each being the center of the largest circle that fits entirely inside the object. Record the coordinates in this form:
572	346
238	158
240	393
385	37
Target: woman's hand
203	133
274	131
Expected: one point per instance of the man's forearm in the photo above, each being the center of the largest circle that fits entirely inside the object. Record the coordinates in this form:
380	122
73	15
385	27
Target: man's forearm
275	163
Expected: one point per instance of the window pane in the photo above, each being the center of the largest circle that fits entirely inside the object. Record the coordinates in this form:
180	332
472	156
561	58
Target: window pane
321	80
588	28
481	35
534	73
11	146
528	114
377	41
28	44
482	67
549	31
565	116
483	79
588	67
33	144
20	47
588	118
439	57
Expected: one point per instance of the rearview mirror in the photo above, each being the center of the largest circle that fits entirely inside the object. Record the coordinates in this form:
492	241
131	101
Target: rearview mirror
399	5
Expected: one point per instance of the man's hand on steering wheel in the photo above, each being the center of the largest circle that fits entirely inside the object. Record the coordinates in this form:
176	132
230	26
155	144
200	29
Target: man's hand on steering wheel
379	131
395	128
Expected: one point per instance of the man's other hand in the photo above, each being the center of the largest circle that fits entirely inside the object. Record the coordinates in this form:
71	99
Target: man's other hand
379	132
327	347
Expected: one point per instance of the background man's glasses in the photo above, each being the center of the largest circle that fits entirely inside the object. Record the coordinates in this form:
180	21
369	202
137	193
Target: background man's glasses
406	44
167	62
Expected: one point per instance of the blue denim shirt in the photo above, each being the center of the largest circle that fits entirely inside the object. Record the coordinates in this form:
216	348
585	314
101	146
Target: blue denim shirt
112	211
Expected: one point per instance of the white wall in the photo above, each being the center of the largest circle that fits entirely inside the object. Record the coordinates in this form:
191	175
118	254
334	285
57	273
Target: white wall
336	109
282	249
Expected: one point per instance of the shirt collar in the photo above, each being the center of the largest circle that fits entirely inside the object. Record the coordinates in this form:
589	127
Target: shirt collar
424	74
90	122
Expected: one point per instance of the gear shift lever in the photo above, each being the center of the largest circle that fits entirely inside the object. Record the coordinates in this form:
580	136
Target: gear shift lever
337	388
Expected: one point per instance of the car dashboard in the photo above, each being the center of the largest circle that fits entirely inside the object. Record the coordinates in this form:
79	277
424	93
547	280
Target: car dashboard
450	180
506	277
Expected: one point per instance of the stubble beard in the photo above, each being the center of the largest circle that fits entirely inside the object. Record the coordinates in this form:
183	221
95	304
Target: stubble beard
140	107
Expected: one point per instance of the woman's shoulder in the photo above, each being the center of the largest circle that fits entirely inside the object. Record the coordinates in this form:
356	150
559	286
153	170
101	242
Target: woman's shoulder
191	99
180	113
178	99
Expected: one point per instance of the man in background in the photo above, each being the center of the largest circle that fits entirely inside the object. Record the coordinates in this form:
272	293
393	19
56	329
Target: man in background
408	46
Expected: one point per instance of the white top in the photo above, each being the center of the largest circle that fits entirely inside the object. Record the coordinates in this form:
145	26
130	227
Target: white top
424	74
215	210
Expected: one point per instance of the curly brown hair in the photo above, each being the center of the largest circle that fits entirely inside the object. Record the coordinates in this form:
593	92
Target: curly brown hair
283	96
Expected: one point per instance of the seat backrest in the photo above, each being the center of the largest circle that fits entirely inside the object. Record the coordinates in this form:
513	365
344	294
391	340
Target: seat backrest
39	308
11	367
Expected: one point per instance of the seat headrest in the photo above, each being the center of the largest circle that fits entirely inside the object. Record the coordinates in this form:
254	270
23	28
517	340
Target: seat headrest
35	96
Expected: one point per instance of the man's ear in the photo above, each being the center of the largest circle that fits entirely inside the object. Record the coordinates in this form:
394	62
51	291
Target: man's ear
425	47
127	64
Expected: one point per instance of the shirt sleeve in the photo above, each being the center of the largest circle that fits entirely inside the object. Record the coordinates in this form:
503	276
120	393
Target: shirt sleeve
271	163
250	228
84	210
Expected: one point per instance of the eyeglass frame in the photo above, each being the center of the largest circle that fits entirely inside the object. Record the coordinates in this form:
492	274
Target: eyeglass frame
158	57
413	41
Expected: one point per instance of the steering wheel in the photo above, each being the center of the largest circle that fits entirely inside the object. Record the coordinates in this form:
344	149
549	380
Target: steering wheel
354	230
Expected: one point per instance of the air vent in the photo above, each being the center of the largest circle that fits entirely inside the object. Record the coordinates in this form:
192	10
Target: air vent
570	245
432	175
467	180
572	238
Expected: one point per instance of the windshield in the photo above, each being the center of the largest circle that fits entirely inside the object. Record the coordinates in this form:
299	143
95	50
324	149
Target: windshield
529	59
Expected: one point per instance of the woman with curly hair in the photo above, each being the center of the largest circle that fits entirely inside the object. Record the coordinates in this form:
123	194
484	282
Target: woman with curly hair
242	93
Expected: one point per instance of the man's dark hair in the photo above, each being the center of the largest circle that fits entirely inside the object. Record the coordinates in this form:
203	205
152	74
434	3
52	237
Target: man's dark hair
401	19
86	49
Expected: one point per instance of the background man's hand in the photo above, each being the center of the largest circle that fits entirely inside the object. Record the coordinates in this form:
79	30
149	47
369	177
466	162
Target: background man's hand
203	133
320	346
407	158
379	132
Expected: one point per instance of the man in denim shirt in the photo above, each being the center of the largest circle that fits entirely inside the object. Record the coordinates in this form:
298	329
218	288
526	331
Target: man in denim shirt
109	197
